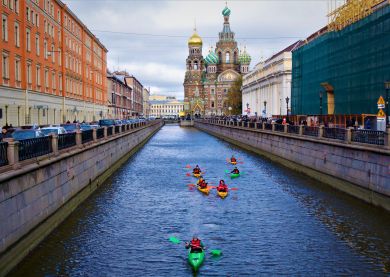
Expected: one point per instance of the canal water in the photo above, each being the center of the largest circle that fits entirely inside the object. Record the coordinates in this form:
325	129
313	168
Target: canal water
278	222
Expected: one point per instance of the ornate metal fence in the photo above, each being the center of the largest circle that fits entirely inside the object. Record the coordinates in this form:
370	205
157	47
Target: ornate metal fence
100	133
293	129
279	127
3	153
335	133
268	126
367	136
117	129
31	148
86	136
109	131
66	140
310	131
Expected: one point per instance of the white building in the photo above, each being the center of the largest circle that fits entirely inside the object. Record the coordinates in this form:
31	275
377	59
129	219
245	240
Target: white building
266	87
169	107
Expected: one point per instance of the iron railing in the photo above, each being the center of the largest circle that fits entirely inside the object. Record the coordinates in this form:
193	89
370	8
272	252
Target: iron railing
279	127
368	136
86	136
268	126
334	133
31	148
100	133
3	153
66	140
293	129
117	129
259	125
310	131
109	131
251	124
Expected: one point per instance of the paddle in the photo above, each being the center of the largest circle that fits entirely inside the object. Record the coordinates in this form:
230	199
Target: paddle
213	252
174	240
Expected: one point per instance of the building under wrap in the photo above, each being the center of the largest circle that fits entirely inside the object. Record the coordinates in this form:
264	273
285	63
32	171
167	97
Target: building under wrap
349	66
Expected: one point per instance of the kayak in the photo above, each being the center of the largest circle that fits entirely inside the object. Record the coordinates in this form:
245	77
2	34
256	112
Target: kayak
233	163
195	259
222	194
233	175
205	190
197	175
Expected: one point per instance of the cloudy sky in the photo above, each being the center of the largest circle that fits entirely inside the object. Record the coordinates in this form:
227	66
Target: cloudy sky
148	38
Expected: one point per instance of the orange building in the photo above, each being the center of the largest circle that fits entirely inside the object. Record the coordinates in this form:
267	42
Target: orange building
52	67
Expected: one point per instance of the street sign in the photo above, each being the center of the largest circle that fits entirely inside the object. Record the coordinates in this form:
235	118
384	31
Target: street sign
381	103
381	114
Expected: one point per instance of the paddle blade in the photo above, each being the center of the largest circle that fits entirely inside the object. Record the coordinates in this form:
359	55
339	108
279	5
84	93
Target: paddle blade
188	174
233	189
174	240
191	185
188	166
216	252
227	171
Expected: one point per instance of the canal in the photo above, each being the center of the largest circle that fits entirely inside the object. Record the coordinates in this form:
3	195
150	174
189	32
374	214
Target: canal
277	222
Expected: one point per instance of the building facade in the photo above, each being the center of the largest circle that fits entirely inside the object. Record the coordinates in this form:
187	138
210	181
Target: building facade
119	97
342	69
207	80
266	87
146	105
52	67
166	108
137	96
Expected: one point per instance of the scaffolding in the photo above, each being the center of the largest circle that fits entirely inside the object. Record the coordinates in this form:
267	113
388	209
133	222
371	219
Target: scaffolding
344	13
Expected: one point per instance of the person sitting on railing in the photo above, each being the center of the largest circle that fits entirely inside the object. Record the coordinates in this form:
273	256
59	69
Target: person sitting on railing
235	171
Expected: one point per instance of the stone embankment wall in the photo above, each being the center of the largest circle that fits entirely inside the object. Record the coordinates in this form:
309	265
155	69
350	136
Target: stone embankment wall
37	197
359	170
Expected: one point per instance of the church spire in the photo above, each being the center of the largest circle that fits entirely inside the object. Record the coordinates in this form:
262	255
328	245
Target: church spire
226	33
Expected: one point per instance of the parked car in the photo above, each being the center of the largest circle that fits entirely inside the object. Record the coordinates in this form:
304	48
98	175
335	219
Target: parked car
106	122
21	134
71	127
57	130
85	127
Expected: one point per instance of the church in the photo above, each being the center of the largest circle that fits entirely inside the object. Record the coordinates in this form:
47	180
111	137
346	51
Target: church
207	80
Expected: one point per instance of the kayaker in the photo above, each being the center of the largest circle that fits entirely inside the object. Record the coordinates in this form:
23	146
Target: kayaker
235	171
196	170
195	244
202	183
233	159
222	186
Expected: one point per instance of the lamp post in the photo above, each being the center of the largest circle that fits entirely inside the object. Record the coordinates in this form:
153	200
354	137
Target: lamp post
230	110
320	107
265	108
387	87
287	99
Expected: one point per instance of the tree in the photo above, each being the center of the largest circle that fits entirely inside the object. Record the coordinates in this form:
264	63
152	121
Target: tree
235	97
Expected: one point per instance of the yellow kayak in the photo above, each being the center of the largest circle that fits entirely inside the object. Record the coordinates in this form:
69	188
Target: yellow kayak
205	190
233	163
197	175
222	194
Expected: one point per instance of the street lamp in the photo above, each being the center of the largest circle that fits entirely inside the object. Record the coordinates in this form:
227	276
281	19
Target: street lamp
287	99
387	87
320	106
230	110
265	108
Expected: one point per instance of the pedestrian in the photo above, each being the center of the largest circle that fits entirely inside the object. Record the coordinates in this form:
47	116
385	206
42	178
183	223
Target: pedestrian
368	124
3	133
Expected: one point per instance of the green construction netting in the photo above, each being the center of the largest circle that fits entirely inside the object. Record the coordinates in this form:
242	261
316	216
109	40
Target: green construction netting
354	61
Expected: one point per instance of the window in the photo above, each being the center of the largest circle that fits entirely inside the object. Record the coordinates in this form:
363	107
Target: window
32	17
46	78
4	28
227	57
53	80
37	19
58	16
11	4
38	76
212	91
5	64
28	40
17	70
29	79
59	57
16	2
37	45
52	54
60	82
17	35
45	49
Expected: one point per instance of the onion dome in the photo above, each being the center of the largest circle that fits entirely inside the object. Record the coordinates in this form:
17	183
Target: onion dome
244	57
226	11
211	58
195	40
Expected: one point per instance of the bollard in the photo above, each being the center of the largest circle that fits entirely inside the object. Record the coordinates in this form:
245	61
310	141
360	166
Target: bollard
273	126
348	137
94	134
54	144
79	140
321	131
13	152
286	128
301	130
105	132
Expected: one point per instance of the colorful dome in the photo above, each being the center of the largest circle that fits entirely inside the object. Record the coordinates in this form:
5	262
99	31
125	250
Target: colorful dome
211	58
195	40
226	11
244	57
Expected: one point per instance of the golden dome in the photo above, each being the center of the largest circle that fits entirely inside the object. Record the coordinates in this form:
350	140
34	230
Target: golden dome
195	40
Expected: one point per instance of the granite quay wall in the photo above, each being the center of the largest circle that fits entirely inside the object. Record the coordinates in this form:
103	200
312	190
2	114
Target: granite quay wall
39	193
359	169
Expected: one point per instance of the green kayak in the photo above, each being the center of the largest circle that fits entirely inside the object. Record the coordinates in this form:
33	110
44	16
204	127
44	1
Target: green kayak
232	175
195	259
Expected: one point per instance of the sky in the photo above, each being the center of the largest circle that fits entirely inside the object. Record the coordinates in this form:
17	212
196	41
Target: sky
148	38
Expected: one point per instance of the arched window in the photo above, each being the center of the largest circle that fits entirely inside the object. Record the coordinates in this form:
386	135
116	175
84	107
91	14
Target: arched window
235	57
195	65
220	57
227	57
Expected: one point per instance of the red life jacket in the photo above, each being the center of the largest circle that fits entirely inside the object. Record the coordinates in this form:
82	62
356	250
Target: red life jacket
233	160
196	243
